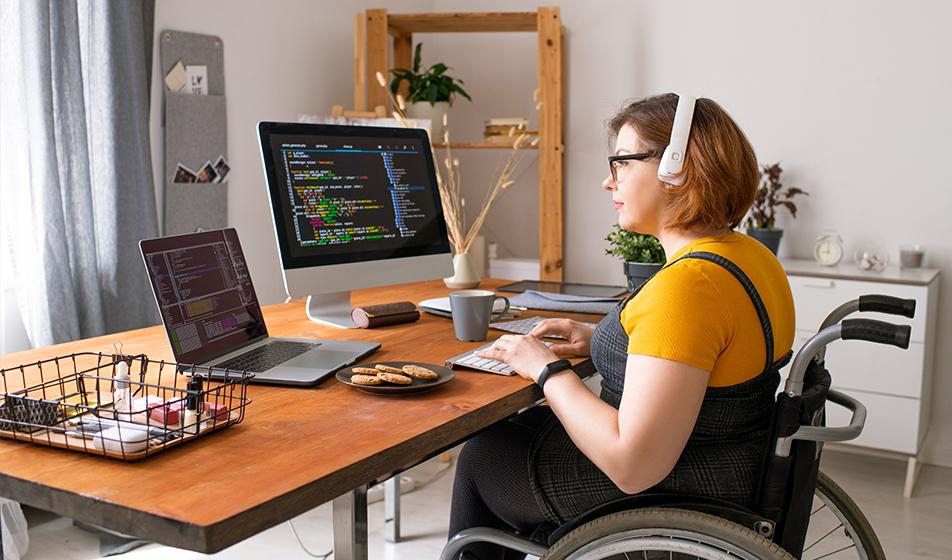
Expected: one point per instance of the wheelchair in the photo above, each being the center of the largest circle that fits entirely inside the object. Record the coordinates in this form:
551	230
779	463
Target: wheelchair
800	512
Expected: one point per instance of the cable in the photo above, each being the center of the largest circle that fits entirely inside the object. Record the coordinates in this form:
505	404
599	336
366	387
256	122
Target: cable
304	548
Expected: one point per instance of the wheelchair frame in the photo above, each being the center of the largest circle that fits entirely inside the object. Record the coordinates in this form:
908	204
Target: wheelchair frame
791	466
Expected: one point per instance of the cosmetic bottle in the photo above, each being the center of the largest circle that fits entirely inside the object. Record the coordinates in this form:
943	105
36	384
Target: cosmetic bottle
122	395
192	421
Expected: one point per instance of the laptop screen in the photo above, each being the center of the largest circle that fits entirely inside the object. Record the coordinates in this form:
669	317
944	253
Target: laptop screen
204	293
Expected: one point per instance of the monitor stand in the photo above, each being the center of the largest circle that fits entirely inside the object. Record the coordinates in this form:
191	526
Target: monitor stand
331	309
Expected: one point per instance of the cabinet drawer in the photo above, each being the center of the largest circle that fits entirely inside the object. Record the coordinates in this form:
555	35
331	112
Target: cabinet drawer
814	298
892	423
864	366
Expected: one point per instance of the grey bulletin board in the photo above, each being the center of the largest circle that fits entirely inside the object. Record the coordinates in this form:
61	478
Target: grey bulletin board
195	132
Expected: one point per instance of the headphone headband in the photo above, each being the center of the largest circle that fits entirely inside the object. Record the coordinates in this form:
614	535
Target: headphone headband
669	170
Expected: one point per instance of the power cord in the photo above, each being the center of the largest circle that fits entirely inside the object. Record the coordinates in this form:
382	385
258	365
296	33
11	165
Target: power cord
324	556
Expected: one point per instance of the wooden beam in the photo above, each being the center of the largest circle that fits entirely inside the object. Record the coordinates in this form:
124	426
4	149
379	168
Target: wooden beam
402	58
406	24
360	64
377	57
550	145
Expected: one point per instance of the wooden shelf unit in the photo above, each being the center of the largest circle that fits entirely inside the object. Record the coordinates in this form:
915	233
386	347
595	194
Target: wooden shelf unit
373	30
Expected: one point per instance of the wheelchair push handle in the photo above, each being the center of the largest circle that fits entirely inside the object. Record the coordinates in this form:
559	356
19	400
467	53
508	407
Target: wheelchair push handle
888	304
880	332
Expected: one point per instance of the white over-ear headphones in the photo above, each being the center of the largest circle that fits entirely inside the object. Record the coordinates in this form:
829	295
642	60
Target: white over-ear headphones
669	171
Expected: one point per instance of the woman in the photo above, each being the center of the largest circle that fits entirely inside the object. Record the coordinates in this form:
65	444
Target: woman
689	362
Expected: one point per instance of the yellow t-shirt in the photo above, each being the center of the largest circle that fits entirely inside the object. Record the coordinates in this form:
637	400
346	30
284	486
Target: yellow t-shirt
696	312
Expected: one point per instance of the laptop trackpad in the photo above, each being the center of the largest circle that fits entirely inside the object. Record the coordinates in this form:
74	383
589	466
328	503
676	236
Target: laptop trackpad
322	358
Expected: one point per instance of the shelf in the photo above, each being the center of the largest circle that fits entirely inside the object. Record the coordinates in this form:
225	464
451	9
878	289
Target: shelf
479	146
406	24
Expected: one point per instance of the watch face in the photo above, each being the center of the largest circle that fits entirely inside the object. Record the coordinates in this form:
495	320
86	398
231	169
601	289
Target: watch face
828	251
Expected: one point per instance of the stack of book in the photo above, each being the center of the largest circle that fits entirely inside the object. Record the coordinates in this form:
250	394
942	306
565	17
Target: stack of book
505	131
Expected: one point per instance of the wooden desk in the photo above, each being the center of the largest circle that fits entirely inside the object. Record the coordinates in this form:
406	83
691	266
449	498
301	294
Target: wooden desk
296	449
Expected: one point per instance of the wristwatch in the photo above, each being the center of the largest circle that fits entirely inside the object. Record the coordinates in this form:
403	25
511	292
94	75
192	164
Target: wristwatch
554	367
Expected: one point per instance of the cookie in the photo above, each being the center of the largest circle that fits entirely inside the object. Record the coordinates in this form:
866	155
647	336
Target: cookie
365	379
389	369
364	370
394	378
420	372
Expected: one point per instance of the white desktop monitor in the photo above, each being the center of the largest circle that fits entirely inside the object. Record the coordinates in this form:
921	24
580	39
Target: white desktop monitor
353	207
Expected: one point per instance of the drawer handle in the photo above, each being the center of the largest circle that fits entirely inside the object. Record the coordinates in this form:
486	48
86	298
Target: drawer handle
827	285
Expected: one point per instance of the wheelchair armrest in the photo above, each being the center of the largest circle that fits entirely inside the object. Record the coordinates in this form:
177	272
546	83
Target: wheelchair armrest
824	433
704	504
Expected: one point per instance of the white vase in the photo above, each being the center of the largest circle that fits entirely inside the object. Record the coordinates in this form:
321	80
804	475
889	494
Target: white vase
423	110
464	276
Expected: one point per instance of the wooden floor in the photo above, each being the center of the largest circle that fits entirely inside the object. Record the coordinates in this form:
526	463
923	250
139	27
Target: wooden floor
916	528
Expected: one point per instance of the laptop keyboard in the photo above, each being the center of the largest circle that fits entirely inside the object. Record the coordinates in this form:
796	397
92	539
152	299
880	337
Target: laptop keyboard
472	361
267	356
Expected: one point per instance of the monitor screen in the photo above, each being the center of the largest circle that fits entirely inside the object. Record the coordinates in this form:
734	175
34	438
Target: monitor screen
204	293
352	194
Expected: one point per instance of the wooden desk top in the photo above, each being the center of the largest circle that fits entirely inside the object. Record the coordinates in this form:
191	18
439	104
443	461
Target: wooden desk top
296	449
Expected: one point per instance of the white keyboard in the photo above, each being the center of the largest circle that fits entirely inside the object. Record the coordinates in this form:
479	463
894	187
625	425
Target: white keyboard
524	326
472	361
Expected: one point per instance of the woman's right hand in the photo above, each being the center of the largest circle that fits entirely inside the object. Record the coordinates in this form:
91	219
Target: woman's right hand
578	336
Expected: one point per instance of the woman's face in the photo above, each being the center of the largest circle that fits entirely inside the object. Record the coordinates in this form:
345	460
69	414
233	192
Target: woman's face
638	194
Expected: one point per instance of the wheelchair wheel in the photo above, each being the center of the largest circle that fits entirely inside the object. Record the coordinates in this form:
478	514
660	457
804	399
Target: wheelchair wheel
838	529
656	533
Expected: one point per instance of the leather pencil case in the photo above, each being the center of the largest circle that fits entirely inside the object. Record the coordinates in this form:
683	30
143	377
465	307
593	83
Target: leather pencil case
385	314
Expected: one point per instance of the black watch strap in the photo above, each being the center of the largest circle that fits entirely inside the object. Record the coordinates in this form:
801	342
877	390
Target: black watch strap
551	368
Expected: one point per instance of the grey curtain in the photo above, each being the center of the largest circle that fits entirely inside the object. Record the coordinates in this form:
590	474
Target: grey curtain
76	190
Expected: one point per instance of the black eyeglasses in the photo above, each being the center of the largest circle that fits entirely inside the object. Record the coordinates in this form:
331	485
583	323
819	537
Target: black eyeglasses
615	162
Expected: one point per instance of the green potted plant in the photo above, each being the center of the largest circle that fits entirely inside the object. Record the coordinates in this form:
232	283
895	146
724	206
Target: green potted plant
771	195
642	253
430	92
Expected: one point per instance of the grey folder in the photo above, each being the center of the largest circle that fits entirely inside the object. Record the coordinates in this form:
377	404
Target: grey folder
195	132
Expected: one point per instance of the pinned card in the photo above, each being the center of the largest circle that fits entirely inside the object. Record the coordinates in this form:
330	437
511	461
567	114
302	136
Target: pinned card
196	79
175	79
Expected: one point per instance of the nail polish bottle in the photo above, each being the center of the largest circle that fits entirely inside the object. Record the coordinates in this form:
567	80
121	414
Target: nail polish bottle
122	395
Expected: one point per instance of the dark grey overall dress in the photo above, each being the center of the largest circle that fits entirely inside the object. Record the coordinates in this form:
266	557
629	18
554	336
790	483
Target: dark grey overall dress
722	457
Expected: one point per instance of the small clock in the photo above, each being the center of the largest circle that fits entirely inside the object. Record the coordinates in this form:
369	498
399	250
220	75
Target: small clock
828	250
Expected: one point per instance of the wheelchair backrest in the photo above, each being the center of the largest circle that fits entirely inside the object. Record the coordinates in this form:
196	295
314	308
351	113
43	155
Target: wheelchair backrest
788	482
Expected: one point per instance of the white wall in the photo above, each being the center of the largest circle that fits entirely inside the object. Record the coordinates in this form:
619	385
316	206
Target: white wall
281	59
850	96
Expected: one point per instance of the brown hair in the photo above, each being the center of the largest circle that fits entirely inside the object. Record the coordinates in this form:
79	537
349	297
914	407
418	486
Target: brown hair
720	169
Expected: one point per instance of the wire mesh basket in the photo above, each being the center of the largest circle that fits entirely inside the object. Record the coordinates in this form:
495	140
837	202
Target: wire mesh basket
120	406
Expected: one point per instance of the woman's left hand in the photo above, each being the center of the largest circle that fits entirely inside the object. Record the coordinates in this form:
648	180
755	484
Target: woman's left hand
527	355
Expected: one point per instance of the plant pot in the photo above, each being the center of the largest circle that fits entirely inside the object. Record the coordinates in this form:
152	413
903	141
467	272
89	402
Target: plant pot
638	273
424	110
769	237
464	273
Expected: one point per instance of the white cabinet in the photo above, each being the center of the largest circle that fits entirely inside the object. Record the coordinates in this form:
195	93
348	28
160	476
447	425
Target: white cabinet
894	384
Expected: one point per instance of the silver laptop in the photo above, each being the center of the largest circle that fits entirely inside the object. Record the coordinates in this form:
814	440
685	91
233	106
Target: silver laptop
211	313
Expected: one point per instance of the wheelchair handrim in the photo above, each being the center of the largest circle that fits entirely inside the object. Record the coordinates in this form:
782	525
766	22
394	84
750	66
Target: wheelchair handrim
648	540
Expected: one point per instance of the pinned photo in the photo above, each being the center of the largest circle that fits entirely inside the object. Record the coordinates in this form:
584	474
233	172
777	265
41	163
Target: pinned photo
184	174
207	173
221	168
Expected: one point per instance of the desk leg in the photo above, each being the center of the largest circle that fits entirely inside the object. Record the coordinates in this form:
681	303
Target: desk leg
350	525
391	509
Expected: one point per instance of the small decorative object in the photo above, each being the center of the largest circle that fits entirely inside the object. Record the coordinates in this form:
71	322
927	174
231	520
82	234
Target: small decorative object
763	214
461	238
910	256
643	254
871	259
430	92
828	250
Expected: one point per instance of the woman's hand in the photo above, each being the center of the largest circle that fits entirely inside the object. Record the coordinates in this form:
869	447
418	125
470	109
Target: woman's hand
578	336
527	355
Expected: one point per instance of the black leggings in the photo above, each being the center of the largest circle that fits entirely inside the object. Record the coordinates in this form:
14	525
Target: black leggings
492	486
